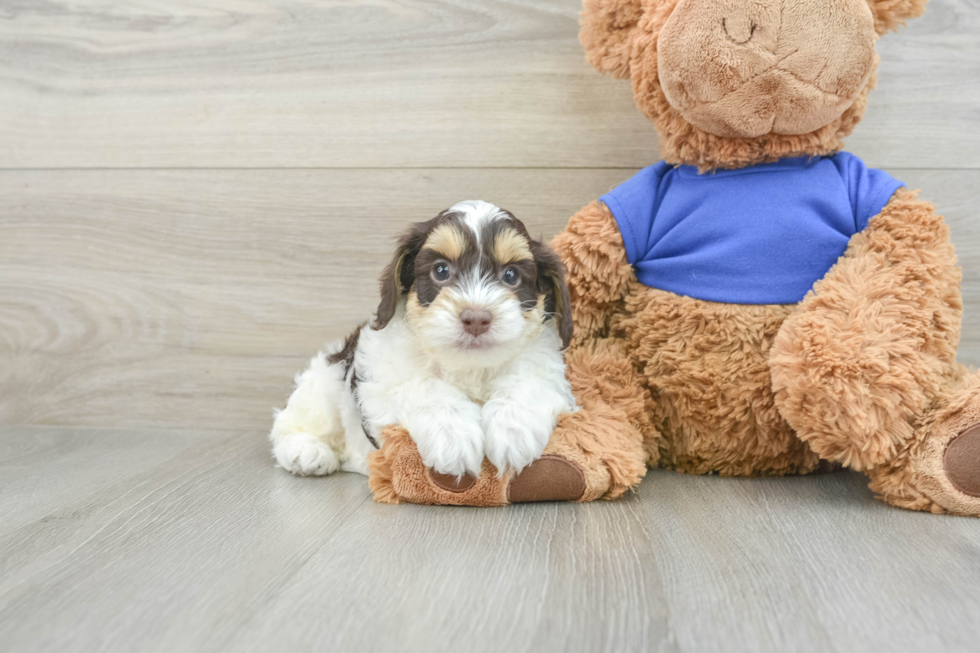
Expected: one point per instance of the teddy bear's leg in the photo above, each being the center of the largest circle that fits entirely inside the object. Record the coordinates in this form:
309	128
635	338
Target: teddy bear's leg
611	437
595	452
865	370
864	355
938	469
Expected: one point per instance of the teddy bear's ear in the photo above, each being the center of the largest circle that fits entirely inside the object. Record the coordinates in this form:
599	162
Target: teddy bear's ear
892	14
607	28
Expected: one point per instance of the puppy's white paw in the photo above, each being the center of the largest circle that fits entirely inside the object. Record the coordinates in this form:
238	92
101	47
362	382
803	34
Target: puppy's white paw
452	446
305	455
516	434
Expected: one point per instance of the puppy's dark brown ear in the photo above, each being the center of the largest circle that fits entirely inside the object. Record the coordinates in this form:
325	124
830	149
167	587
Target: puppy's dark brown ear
398	277
551	283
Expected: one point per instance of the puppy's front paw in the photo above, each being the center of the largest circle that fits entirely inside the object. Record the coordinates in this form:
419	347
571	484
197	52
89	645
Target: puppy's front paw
305	455
515	434
452	446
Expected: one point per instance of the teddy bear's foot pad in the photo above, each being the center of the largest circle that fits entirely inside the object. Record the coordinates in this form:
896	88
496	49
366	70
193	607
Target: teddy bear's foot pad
549	478
452	483
961	461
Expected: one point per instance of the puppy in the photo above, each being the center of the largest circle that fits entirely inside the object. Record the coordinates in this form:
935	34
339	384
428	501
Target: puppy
464	352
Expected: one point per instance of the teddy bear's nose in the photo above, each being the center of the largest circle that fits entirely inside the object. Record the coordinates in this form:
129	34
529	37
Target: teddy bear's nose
739	28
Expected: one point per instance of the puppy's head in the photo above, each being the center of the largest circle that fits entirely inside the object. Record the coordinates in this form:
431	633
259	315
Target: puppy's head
476	286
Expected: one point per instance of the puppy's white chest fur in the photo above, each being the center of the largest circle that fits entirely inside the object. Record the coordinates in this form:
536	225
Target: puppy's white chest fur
457	413
475	384
391	359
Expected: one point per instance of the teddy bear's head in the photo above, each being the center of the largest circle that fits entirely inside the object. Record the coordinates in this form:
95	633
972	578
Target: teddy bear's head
730	83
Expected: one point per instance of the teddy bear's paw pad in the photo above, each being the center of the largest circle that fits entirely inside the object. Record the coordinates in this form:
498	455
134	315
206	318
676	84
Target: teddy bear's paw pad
452	483
549	478
961	461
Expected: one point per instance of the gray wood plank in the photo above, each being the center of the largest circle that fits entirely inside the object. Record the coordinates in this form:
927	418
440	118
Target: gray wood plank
928	95
163	548
190	298
208	83
77	463
215	549
810	563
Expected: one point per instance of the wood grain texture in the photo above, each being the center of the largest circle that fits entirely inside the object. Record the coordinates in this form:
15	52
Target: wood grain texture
285	143
205	546
397	83
190	298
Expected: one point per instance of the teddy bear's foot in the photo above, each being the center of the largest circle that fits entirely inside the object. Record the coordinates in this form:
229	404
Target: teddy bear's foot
398	474
939	471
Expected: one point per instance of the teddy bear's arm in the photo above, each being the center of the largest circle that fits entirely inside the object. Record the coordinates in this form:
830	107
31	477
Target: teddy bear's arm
875	340
597	271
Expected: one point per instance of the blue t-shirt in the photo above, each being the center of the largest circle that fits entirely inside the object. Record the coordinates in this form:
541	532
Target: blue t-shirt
759	235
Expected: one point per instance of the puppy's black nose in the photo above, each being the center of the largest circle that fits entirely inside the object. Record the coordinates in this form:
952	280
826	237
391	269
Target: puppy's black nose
475	322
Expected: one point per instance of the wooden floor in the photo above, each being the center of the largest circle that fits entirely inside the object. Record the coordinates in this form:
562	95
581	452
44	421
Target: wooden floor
146	540
196	194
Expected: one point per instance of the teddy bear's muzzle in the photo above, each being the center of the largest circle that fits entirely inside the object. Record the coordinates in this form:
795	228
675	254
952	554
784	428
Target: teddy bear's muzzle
747	68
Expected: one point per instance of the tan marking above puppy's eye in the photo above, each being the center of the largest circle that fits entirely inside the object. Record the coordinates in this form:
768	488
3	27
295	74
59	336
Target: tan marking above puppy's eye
447	240
510	246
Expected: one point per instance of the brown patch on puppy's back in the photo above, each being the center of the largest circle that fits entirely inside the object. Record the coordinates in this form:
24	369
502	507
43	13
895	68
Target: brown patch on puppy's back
346	355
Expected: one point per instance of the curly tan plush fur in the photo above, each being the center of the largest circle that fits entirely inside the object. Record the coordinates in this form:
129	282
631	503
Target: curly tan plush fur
875	341
706	366
597	272
915	478
614	425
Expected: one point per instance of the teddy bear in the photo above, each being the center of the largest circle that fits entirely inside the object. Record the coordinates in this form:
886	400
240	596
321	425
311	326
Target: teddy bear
759	301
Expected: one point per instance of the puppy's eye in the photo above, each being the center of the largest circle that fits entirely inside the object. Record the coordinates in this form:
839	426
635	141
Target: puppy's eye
441	271
510	277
